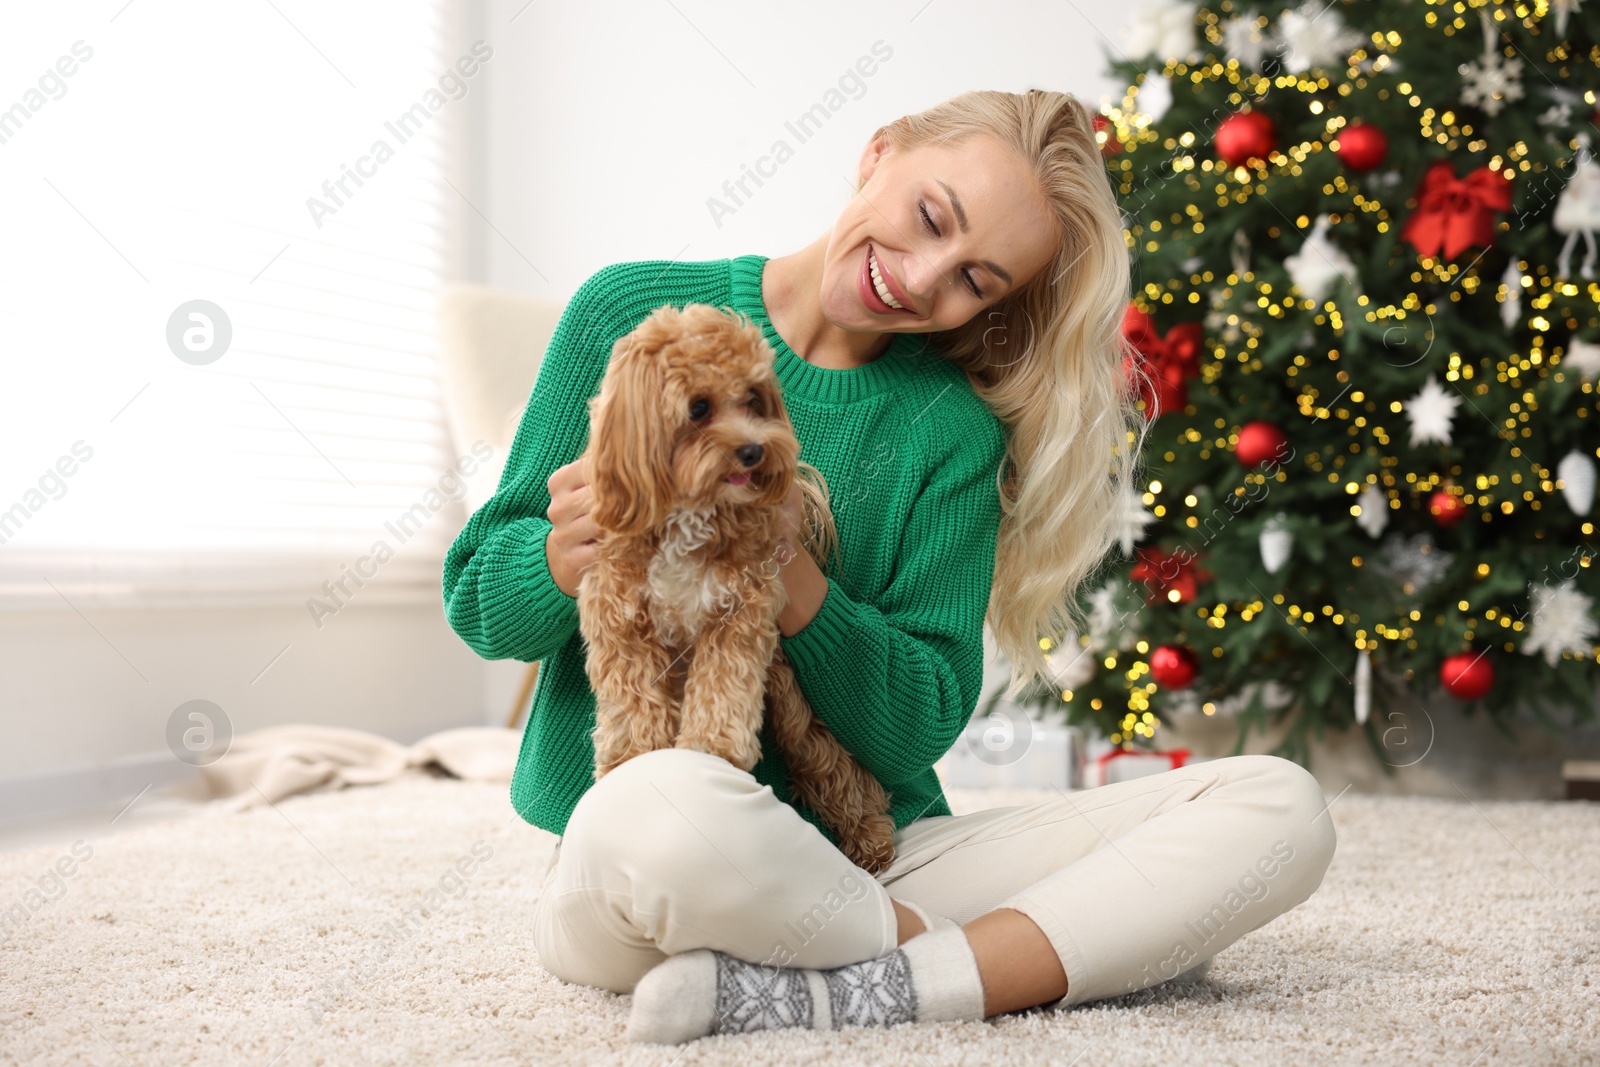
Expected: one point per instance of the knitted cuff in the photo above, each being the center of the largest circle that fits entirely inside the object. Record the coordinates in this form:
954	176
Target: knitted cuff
945	973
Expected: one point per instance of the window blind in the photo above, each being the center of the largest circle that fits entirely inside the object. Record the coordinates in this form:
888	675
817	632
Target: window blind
280	176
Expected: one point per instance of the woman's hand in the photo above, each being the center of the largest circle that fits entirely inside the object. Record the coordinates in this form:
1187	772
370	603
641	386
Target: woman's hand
569	548
803	580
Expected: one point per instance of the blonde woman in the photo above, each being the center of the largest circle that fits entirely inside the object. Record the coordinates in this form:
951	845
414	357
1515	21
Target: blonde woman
951	361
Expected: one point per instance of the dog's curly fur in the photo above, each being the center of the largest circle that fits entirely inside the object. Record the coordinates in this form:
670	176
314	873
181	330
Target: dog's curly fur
679	609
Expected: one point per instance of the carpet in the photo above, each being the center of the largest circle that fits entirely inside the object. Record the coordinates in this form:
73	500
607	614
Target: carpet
388	925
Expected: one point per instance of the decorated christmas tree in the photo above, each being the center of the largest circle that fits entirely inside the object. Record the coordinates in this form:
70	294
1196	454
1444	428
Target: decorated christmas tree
1365	309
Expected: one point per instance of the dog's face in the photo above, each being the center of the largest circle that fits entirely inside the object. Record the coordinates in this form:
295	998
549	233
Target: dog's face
690	414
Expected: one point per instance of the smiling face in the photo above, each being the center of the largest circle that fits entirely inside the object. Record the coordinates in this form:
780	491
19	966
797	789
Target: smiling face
936	234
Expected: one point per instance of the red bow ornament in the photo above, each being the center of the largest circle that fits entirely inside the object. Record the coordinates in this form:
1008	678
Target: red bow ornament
1112	144
1162	573
1455	213
1169	360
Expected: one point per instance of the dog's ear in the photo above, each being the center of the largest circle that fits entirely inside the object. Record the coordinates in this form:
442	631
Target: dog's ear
784	447
630	469
770	397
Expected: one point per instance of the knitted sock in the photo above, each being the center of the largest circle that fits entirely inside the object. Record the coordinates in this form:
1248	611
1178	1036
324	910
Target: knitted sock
933	976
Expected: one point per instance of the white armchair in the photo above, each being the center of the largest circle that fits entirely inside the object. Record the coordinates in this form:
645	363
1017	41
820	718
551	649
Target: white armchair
491	344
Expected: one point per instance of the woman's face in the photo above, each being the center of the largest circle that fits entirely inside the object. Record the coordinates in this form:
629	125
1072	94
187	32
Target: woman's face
950	229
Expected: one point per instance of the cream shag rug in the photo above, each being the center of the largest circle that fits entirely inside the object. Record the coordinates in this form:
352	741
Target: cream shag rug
1444	932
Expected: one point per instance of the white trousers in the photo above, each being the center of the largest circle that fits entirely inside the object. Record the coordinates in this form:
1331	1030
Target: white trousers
1133	883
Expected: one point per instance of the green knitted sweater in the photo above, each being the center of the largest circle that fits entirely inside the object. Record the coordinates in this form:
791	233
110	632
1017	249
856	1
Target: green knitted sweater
893	661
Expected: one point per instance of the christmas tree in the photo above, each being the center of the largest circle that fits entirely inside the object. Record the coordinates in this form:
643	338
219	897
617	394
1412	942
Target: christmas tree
1365	330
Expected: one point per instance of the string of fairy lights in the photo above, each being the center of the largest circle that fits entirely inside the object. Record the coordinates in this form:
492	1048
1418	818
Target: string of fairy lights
1190	160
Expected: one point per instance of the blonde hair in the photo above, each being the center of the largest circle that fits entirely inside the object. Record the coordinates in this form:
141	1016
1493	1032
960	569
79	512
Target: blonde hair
1048	360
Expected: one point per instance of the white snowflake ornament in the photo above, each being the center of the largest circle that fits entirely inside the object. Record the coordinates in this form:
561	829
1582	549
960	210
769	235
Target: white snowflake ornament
1154	95
1132	518
1558	114
1492	81
1102	616
1071	665
1430	412
1576	472
1583	357
1163	29
1563	621
1216	320
1319	264
1313	36
1244	39
1578	211
1374	511
1106	624
1415	562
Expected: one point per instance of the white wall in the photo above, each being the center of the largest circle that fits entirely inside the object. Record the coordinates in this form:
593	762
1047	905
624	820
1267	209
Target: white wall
94	690
86	688
611	124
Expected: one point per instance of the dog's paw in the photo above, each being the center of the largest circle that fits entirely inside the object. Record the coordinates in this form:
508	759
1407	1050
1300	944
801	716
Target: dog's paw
871	846
746	757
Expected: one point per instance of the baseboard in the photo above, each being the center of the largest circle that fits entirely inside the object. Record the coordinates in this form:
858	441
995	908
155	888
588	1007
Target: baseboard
35	795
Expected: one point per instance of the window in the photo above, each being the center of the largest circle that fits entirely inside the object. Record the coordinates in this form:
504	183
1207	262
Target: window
293	166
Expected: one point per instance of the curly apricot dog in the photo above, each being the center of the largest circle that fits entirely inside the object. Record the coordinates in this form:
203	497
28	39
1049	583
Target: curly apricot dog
692	458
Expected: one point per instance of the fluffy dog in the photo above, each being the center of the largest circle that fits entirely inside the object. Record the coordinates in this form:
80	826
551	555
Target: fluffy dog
692	458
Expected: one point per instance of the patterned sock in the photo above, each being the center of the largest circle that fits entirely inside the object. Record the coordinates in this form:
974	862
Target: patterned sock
933	976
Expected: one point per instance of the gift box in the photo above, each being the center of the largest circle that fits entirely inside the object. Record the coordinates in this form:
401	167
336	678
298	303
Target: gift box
1008	750
1126	764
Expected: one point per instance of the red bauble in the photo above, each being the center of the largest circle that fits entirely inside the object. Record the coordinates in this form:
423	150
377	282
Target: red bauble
1362	146
1446	508
1244	136
1467	675
1261	442
1173	666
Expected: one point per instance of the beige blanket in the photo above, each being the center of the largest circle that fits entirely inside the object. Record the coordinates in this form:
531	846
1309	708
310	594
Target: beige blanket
268	765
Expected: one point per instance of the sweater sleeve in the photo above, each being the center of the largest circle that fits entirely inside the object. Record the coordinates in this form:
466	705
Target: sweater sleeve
499	596
897	681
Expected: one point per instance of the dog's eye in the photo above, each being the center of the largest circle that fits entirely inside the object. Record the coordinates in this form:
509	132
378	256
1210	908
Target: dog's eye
756	406
699	408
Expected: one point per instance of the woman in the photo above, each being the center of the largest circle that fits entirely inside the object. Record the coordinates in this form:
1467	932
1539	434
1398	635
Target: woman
951	361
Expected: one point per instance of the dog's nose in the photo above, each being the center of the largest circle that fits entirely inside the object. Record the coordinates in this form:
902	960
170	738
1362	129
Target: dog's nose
749	455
